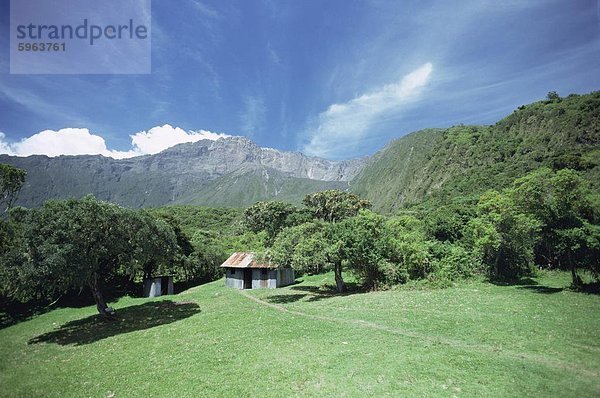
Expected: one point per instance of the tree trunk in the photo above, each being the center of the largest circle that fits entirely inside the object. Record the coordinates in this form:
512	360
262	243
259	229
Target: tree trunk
576	279
339	281
101	306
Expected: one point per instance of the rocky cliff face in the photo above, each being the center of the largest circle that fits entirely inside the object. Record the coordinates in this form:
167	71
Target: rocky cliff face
226	155
186	173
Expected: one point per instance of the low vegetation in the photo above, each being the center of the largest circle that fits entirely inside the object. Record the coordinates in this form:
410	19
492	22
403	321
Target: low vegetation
536	338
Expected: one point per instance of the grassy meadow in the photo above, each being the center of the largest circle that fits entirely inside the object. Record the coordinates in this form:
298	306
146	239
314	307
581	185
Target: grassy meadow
473	339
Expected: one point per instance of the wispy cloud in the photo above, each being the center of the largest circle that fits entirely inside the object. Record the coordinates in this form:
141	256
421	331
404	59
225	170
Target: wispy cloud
38	105
253	118
80	141
273	56
205	10
343	126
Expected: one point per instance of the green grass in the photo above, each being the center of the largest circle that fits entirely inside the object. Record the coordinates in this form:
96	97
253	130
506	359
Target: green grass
474	339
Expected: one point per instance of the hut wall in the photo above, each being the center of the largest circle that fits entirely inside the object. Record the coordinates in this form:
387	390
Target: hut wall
260	278
234	277
271	278
285	277
152	287
170	289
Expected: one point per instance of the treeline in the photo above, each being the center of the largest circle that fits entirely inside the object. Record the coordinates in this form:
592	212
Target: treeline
546	219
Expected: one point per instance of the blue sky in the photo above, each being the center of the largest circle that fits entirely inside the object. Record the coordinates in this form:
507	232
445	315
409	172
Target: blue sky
337	79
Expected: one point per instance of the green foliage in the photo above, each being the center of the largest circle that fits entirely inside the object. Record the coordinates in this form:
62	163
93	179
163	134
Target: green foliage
82	243
453	262
436	166
301	247
407	246
191	218
361	237
68	244
503	237
11	182
155	246
270	217
446	223
563	205
334	205
552	96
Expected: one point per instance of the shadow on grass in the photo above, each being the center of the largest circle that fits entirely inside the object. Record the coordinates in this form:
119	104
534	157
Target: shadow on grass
589	288
314	293
543	289
129	319
514	282
285	298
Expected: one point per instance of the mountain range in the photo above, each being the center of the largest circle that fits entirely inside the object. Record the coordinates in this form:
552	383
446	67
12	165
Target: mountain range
230	171
428	165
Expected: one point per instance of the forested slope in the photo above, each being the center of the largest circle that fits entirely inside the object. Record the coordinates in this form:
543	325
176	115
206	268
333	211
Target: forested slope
439	165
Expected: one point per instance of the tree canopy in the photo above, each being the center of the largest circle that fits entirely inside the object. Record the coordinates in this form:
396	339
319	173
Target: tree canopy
11	182
81	243
334	205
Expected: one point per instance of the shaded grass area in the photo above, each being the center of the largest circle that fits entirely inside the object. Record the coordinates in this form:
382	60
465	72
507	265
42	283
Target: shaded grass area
472	339
128	319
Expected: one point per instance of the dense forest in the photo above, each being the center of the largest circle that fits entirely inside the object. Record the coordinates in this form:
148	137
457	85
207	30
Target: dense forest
437	206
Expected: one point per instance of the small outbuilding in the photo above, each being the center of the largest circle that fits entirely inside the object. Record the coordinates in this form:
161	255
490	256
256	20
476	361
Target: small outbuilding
243	271
158	286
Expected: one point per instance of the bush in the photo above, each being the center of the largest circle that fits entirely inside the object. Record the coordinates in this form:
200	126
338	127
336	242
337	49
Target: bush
454	262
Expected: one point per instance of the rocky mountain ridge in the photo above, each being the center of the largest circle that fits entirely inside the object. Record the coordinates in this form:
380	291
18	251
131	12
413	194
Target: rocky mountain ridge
185	173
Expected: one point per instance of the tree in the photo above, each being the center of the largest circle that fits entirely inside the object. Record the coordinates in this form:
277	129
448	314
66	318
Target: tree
269	217
562	205
445	223
11	182
311	247
576	239
291	248
361	237
405	246
503	236
552	96
334	205
154	244
76	243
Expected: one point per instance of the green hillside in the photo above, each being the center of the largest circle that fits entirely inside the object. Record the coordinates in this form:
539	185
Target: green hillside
439	164
474	339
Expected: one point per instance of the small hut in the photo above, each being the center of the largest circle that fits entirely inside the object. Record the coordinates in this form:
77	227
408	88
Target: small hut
242	271
158	286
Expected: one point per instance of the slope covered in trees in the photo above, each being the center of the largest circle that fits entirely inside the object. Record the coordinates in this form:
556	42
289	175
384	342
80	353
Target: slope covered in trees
439	165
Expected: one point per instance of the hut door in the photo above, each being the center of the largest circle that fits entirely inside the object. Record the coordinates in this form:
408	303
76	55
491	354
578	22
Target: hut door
247	279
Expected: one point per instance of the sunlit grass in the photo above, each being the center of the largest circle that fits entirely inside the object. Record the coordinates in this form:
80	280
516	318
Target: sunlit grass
474	339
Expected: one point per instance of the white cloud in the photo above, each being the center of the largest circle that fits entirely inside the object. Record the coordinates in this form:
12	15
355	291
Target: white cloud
160	138
4	147
69	141
342	125
80	141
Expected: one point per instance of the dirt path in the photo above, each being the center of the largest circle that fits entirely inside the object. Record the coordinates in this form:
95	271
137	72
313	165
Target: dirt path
485	348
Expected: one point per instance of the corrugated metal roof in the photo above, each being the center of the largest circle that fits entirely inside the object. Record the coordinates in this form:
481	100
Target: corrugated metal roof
244	260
